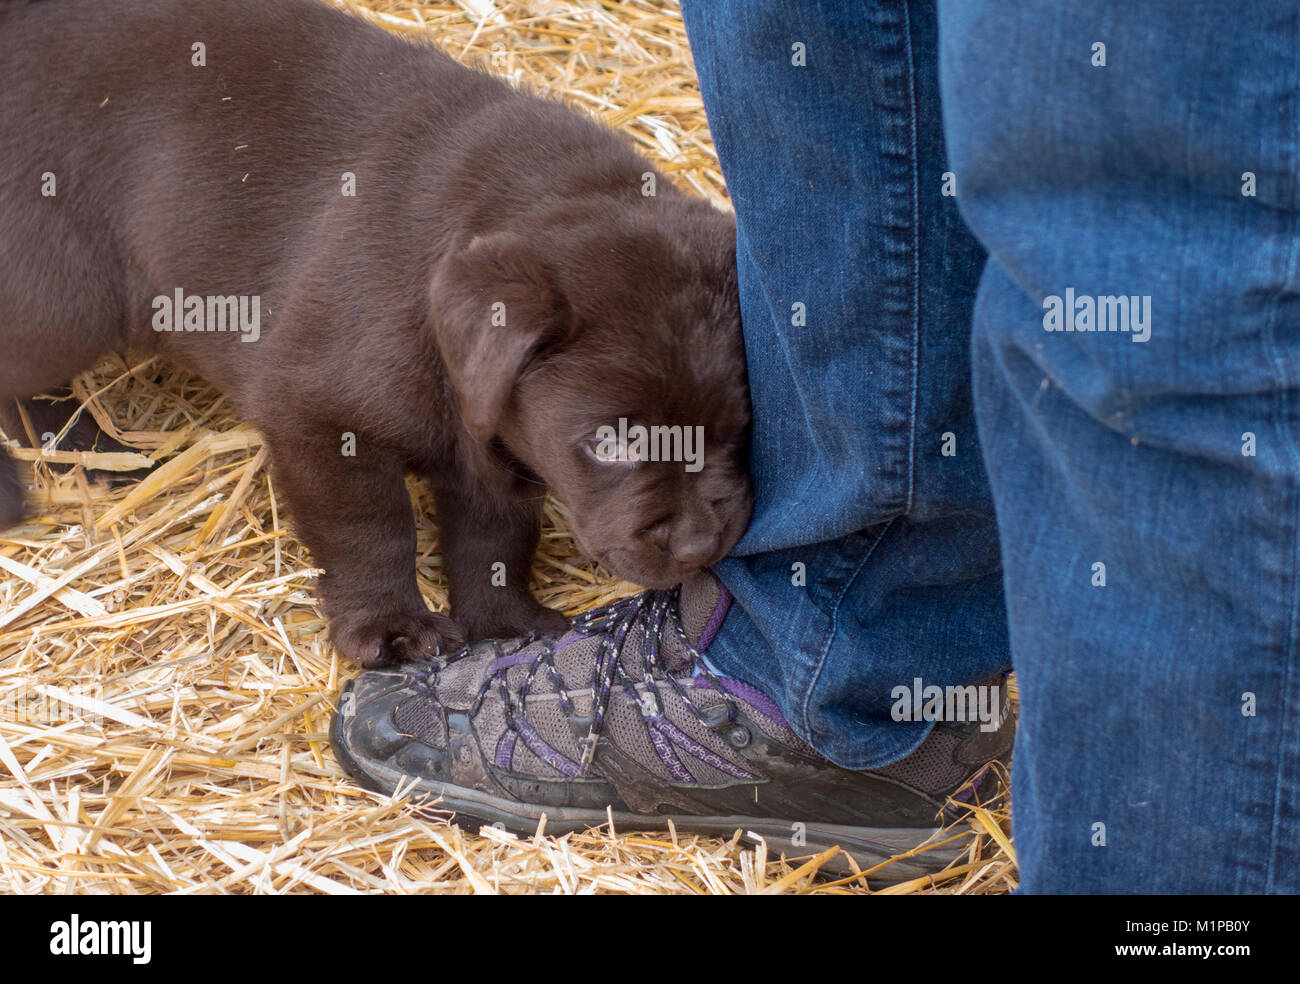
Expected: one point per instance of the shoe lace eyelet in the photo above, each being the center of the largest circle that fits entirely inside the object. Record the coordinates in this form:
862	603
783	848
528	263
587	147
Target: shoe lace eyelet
739	736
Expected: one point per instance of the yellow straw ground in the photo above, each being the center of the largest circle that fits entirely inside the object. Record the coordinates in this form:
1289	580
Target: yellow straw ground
165	681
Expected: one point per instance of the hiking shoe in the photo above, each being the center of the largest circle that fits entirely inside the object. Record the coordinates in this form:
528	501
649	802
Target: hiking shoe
622	714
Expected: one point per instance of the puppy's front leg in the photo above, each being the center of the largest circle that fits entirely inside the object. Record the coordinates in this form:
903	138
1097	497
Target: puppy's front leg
353	513
487	549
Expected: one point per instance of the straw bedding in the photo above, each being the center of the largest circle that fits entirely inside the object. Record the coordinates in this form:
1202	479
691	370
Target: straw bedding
165	680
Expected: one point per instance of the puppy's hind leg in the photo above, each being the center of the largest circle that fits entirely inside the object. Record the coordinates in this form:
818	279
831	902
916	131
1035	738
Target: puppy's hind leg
11	487
11	492
60	309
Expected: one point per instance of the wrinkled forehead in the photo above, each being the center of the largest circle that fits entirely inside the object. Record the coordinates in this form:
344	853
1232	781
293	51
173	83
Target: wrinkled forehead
645	392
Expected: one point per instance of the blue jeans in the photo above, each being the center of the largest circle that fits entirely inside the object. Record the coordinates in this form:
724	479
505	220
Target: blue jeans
946	487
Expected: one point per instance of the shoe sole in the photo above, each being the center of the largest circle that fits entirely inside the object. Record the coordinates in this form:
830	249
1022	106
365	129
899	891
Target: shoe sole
868	846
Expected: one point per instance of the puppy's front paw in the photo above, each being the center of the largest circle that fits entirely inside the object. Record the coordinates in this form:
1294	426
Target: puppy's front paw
384	640
547	621
501	624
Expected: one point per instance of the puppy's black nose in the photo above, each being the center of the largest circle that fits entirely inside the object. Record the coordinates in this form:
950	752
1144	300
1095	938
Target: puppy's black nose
695	549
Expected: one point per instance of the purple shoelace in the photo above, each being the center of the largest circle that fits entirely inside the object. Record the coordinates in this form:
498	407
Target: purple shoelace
652	613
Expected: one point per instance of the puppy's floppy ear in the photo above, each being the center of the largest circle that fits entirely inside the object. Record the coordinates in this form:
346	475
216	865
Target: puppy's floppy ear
493	307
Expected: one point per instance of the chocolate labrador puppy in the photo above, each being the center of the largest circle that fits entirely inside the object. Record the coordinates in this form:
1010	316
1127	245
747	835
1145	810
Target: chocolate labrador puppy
390	263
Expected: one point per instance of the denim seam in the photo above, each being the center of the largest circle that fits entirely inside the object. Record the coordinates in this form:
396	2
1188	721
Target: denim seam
832	629
916	261
1288	646
1288	664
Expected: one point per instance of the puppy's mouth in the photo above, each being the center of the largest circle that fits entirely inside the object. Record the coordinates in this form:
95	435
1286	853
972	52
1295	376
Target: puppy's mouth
665	572
649	567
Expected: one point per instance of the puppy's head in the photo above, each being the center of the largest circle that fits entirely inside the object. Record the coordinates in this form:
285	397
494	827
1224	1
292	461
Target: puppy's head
606	356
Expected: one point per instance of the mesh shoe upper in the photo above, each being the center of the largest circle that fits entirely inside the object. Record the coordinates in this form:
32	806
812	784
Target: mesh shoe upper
622	711
628	674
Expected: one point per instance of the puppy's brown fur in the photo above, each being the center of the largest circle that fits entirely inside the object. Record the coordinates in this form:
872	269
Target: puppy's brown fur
498	288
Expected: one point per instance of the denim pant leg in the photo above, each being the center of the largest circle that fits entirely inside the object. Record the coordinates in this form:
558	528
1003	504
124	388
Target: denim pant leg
1148	492
872	557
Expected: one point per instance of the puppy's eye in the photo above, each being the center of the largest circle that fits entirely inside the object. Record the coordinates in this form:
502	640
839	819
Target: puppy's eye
610	451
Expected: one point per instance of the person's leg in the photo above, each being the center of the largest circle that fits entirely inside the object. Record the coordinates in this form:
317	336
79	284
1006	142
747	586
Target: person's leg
872	557
1148	492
